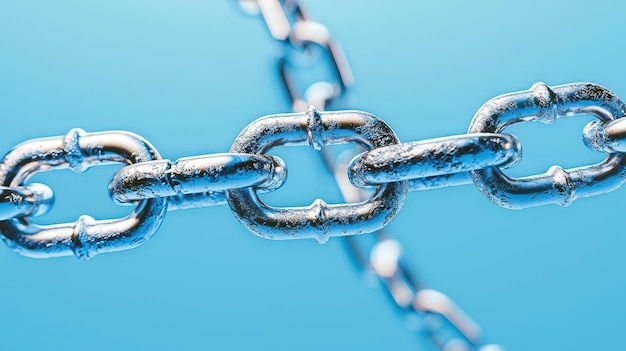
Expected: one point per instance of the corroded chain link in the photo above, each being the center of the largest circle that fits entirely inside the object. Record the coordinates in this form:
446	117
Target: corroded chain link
377	160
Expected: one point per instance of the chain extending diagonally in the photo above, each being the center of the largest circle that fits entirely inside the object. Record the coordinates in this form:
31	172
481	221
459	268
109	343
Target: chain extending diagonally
440	320
376	160
426	162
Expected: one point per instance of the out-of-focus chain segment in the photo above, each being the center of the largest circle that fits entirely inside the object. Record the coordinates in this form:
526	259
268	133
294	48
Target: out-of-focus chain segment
289	23
154	185
204	180
427	164
440	320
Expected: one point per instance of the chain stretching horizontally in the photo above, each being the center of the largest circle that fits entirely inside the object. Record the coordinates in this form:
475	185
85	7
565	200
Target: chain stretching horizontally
424	164
377	161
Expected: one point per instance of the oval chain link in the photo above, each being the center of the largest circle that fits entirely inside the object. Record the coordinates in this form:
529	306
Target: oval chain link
320	220
197	181
86	237
447	326
439	319
434	159
153	184
544	104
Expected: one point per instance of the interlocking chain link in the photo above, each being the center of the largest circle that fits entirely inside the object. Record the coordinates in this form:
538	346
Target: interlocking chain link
425	164
441	320
376	159
430	163
320	220
545	104
197	181
23	201
86	237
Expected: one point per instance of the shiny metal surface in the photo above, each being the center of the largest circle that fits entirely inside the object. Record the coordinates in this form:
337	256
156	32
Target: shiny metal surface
545	104
31	200
190	179
606	136
86	237
279	16
319	220
392	167
441	181
446	325
434	157
305	33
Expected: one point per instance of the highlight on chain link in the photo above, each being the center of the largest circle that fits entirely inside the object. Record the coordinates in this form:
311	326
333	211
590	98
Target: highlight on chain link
374	177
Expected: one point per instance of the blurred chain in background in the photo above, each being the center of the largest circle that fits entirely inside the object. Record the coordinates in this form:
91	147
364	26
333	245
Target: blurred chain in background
374	173
376	254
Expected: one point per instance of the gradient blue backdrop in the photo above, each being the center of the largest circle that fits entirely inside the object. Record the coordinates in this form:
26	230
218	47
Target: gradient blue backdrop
189	75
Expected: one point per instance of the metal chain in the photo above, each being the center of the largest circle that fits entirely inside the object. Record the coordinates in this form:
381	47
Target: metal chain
22	201
425	164
376	160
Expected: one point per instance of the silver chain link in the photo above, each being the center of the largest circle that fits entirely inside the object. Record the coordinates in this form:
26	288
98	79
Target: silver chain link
375	160
22	201
86	237
425	164
197	181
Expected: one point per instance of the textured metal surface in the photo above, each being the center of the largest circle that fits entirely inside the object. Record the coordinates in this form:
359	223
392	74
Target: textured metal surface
32	200
444	324
434	157
606	136
319	220
545	104
86	237
393	168
196	181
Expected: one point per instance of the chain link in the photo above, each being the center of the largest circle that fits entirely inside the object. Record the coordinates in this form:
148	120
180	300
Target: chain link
434	159
197	181
86	237
319	221
289	23
544	104
428	162
606	136
440	319
22	201
376	158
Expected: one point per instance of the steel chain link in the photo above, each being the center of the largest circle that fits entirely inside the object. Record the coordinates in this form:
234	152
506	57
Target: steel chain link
197	181
86	237
446	325
23	201
320	220
376	160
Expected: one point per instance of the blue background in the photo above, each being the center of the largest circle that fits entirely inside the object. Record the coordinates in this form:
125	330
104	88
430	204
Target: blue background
189	75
